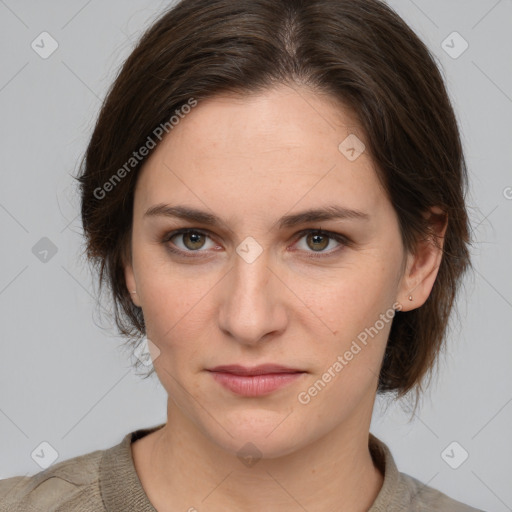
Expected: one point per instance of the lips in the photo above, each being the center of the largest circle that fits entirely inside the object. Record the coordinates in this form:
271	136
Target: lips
255	381
264	369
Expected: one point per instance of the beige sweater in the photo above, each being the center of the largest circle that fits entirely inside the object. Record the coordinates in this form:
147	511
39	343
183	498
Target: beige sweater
106	481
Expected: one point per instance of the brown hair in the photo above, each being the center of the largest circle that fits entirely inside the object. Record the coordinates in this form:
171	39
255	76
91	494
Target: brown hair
360	53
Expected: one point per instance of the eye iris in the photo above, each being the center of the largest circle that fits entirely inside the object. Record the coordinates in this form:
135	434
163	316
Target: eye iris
194	236
317	237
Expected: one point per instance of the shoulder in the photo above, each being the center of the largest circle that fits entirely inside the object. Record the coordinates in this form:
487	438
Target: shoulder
71	484
424	498
401	492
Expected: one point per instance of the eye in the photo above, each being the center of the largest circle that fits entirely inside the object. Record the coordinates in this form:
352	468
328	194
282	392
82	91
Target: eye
318	240
193	240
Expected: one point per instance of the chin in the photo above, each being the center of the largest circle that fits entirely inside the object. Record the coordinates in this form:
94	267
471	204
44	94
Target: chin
259	433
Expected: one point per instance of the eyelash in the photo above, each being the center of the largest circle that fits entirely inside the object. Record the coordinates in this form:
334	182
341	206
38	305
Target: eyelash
343	240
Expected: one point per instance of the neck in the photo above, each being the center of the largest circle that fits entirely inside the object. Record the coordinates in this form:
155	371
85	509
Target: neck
180	465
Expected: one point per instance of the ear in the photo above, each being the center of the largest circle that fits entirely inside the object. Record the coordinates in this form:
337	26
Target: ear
129	277
130	283
422	266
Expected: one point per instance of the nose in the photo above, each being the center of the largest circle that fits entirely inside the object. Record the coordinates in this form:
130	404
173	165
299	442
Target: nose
253	302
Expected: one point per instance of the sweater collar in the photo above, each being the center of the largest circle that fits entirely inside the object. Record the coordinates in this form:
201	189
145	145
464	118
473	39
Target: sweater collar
384	461
121	488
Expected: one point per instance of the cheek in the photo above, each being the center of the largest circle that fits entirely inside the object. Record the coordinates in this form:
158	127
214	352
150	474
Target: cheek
174	302
348	364
357	308
354	299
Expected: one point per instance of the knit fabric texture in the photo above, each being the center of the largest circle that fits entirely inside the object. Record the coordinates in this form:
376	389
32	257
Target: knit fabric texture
106	481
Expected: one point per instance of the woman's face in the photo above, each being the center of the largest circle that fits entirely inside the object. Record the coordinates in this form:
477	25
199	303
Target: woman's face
254	287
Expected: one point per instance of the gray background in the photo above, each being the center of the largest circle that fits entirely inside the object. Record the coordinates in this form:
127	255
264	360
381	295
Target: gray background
65	380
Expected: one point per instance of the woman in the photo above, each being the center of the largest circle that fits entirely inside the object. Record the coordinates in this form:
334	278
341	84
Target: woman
274	194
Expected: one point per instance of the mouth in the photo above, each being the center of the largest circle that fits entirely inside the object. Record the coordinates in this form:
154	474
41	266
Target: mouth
262	369
256	381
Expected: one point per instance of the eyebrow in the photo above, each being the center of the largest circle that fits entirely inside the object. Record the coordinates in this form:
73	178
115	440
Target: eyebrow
330	212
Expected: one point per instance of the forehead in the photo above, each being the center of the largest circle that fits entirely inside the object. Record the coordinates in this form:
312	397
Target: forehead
281	146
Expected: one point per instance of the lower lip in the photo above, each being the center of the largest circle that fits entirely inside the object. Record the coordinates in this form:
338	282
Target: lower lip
255	385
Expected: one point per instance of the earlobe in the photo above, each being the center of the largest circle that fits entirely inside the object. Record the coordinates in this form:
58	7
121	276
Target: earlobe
422	266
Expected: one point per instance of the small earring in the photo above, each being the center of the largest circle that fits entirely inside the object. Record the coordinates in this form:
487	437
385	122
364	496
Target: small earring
135	291
410	297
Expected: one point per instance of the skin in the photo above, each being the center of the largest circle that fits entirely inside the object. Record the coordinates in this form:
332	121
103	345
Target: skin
250	161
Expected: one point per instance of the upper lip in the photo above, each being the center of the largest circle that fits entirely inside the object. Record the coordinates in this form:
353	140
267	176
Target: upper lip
261	369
